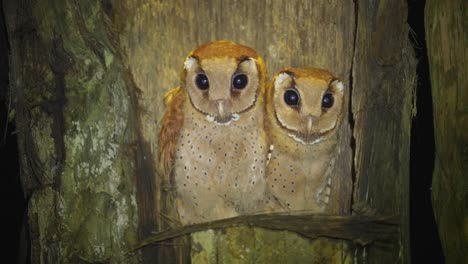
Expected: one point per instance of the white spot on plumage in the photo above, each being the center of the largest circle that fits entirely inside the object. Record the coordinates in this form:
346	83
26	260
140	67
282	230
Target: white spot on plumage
270	152
189	63
211	118
282	77
300	140
338	84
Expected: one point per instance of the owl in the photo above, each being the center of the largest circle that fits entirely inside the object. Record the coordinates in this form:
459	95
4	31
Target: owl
304	109
212	144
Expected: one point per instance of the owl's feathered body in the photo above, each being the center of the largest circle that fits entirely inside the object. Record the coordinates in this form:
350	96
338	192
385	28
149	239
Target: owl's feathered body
219	170
219	149
303	133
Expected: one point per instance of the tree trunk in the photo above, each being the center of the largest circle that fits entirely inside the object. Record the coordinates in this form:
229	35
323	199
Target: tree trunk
384	77
88	78
447	39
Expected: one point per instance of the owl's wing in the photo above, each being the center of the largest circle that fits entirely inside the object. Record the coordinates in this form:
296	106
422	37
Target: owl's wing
171	125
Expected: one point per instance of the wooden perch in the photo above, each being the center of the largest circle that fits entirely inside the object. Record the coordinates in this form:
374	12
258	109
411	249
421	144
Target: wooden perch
362	230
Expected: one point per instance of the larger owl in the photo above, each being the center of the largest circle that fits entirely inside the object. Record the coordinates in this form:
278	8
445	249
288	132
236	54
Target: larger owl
304	110
212	141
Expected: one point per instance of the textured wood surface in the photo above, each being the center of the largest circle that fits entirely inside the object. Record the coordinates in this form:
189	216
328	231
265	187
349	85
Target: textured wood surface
362	230
381	103
277	238
76	131
155	38
88	78
447	41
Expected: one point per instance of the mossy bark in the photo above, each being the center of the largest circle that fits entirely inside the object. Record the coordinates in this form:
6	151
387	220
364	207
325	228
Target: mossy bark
88	78
447	41
75	131
257	245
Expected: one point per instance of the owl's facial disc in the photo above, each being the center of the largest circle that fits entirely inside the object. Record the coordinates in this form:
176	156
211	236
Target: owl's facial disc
307	108
222	88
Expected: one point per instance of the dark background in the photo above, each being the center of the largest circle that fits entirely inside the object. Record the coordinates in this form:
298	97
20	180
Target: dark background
425	243
424	239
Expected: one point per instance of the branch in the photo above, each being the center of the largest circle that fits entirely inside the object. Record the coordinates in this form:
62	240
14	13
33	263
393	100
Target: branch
359	229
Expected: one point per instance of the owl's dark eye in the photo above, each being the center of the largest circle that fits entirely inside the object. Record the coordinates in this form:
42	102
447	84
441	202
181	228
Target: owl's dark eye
240	81
327	100
201	80
291	98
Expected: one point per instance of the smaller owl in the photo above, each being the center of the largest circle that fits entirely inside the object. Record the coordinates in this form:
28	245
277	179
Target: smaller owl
304	109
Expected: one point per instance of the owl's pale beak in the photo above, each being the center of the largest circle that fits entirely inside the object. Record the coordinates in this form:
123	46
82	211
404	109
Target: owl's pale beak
310	122
223	115
222	108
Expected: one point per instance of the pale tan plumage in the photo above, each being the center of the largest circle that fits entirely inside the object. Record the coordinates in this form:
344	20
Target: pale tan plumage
301	124
212	136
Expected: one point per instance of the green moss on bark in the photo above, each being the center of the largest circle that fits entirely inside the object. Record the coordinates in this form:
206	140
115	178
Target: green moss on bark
259	245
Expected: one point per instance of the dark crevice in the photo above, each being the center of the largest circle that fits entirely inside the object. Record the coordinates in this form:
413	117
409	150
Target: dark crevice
145	177
59	64
424	240
16	250
145	172
350	107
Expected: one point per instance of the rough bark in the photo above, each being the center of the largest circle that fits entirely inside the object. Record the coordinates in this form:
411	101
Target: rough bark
447	39
76	132
383	82
88	78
